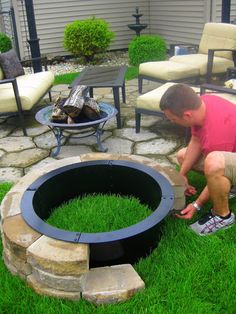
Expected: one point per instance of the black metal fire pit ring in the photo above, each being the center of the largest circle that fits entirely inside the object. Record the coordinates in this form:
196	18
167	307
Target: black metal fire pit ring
102	176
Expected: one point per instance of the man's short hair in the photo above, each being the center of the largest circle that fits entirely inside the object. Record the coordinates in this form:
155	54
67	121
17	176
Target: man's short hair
179	98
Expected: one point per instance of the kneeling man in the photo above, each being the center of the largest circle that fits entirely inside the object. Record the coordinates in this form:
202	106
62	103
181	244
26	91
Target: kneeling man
212	150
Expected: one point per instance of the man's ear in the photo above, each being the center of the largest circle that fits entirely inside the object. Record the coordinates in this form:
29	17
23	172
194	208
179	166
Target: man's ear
187	114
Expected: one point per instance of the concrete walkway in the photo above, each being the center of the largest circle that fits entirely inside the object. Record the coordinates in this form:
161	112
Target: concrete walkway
19	154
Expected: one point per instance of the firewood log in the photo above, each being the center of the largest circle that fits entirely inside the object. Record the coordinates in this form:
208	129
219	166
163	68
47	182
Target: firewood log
75	102
58	113
91	109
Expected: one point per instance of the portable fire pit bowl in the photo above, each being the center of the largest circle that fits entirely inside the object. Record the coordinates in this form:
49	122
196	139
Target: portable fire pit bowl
108	177
107	112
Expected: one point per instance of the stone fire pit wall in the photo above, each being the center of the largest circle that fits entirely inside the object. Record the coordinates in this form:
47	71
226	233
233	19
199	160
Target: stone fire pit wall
58	268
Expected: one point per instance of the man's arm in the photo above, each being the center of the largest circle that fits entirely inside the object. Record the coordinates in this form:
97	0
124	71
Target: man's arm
192	154
190	210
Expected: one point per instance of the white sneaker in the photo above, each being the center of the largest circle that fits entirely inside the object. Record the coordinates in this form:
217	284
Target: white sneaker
211	223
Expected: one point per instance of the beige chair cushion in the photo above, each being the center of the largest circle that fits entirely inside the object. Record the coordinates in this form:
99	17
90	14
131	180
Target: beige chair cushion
218	36
31	88
220	65
1	74
168	70
151	100
214	36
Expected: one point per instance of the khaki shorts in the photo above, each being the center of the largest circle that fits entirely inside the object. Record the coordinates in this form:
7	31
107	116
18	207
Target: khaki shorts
230	166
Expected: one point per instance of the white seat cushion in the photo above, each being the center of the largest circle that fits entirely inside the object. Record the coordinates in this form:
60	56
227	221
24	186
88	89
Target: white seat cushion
31	88
220	65
1	74
218	36
151	100
168	70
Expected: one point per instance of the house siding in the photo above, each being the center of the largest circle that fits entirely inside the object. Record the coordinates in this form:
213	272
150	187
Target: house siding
52	17
5	18
216	11
179	21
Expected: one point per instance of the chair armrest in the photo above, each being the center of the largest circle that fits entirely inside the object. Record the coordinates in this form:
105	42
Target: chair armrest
232	50
216	88
222	49
211	53
6	81
13	81
43	60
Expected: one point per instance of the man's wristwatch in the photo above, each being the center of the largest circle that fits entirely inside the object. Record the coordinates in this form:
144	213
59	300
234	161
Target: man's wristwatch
196	206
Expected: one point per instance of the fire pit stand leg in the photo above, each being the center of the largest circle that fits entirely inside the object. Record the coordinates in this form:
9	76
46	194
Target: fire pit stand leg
58	132
98	134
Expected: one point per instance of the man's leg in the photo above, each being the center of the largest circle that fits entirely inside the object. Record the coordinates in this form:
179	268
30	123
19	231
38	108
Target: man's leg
218	184
219	169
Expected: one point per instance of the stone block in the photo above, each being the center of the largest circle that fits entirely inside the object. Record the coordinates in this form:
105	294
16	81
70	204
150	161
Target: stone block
135	158
179	203
59	257
64	283
98	156
10	205
111	284
44	290
175	179
26	180
61	163
12	269
18	236
173	176
19	264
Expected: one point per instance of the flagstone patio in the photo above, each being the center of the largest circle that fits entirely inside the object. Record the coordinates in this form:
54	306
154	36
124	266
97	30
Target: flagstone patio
157	140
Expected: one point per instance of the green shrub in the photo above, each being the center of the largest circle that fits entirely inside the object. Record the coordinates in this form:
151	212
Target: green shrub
147	48
5	43
87	37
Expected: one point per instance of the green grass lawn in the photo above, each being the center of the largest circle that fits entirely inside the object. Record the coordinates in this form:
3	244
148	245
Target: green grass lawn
68	78
185	274
98	213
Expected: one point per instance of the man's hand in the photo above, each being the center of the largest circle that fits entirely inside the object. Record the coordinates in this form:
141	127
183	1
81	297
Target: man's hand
187	213
190	190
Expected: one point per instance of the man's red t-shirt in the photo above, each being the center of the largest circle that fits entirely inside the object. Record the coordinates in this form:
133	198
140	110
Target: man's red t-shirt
218	133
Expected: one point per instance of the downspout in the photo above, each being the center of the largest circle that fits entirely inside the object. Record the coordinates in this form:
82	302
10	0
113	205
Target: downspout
225	11
33	39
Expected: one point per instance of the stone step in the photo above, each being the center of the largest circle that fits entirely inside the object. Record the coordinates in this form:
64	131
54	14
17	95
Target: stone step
112	284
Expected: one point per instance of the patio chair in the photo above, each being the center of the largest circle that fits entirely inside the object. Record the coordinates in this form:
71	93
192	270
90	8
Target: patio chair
21	92
216	53
227	93
149	103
